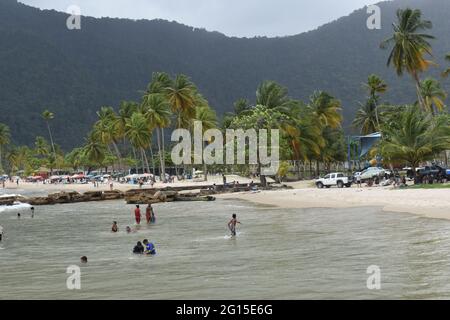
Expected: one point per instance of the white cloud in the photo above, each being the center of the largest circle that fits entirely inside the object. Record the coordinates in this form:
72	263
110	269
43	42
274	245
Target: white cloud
232	17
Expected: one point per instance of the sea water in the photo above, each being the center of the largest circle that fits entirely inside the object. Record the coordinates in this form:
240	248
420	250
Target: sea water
277	254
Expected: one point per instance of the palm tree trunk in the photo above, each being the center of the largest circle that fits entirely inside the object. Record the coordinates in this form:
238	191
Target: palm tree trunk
163	154
119	156
135	159
162	174
142	160
1	164
419	95
153	163
51	138
146	161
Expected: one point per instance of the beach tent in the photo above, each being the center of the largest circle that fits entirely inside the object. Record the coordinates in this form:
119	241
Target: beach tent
367	142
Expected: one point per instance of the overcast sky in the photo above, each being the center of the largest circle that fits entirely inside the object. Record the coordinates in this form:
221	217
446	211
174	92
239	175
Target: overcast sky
242	18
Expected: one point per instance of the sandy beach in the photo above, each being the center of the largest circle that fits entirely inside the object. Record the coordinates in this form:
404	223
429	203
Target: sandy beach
431	203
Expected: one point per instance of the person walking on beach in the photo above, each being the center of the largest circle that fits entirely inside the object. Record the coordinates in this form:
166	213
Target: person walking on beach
232	225
137	214
358	181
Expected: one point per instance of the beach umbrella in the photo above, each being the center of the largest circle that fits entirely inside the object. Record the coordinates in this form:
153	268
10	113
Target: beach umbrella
55	177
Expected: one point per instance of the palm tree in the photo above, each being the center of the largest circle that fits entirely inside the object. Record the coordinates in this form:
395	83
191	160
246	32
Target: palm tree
182	97
433	95
366	118
272	95
5	138
41	147
208	118
447	71
126	110
47	116
415	137
94	149
157	113
139	134
109	130
410	45
374	86
326	109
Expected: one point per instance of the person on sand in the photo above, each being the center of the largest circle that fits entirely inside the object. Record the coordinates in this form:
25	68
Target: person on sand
358	181
115	227
149	248
111	185
232	225
137	214
138	248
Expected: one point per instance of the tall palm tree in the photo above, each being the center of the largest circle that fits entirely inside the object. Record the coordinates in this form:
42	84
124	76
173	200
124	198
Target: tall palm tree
272	95
48	116
375	85
182	97
157	112
126	110
410	45
139	134
41	147
208	118
433	95
5	138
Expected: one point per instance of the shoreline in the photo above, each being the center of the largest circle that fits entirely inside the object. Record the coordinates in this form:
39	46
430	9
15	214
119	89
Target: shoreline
433	203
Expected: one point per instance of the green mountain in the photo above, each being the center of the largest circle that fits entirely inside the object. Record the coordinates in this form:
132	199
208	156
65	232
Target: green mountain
43	65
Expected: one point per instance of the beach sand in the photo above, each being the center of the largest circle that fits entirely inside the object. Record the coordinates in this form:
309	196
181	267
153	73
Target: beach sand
431	203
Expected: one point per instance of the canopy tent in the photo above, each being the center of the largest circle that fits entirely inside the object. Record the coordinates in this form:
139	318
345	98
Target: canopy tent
367	142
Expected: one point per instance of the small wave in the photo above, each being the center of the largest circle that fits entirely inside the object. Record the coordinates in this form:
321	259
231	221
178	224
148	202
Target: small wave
15	207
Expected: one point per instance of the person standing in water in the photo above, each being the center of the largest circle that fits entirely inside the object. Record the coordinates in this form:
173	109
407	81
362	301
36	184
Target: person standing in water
232	225
137	214
1	233
115	227
32	212
150	214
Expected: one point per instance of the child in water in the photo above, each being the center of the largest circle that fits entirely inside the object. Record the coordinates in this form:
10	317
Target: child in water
149	248
232	225
115	228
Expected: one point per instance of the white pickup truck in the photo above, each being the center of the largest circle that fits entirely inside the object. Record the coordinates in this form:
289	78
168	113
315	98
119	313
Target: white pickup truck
334	179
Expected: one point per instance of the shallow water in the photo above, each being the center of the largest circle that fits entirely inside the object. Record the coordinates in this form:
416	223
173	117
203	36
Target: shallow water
278	254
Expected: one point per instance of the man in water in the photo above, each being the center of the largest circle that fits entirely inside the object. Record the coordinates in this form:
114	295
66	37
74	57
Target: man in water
148	213
128	229
232	225
1	233
138	248
149	248
137	214
32	212
83	259
115	227
18	215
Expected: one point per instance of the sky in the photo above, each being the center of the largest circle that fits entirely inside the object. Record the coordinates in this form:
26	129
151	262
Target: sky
241	18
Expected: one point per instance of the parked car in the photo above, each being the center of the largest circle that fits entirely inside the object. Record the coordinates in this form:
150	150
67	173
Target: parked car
372	173
433	172
334	179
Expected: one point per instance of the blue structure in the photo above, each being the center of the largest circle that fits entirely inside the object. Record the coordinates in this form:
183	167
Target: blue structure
365	144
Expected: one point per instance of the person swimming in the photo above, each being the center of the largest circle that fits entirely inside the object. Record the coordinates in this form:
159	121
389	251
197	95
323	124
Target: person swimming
115	227
138	248
18	215
32	212
232	225
84	259
149	248
128	229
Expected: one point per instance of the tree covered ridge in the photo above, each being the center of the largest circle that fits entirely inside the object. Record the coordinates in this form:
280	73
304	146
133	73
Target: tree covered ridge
73	73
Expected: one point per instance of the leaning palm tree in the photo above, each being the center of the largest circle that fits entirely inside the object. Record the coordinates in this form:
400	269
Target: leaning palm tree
416	137
433	95
208	118
47	116
157	112
5	138
409	46
375	85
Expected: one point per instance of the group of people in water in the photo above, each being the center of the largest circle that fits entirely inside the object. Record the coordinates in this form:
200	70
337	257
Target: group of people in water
18	217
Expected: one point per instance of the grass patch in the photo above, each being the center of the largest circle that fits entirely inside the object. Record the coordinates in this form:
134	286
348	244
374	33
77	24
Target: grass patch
430	186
